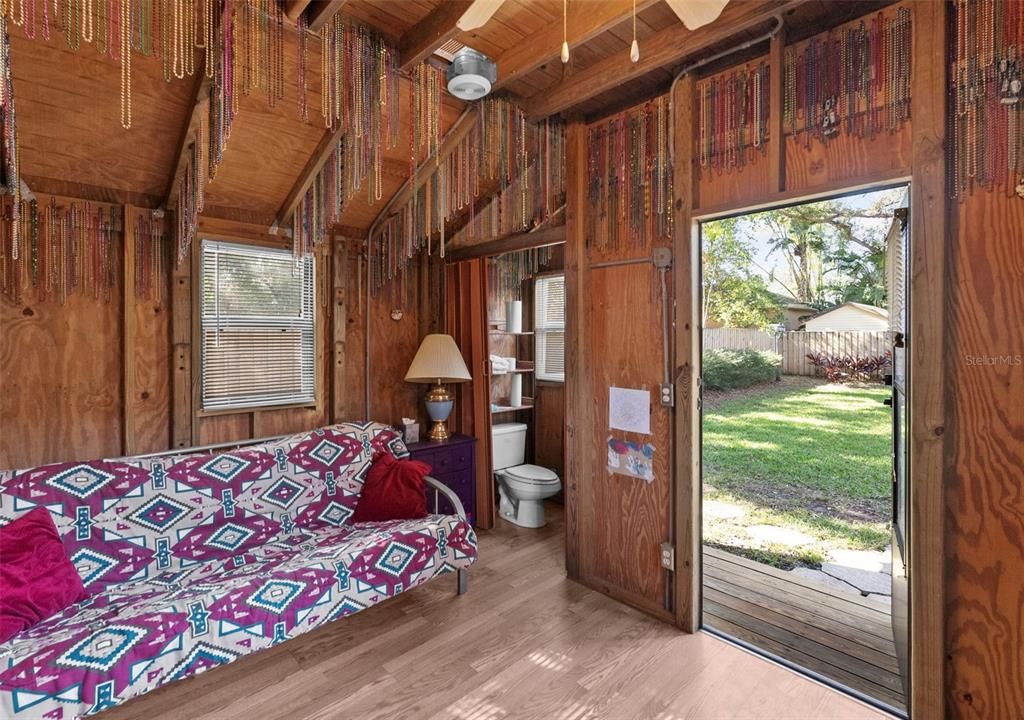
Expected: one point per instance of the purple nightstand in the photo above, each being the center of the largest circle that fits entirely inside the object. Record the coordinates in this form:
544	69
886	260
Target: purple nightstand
452	462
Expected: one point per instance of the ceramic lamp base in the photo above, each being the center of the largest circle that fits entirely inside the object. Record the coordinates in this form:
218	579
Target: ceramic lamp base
439	403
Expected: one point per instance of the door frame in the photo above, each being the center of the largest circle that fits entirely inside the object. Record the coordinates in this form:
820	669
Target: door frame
929	450
924	362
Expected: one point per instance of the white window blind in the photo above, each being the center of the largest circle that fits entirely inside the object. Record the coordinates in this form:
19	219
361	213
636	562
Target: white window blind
257	326
549	327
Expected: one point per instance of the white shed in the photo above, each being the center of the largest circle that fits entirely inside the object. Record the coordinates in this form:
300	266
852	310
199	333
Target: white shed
851	316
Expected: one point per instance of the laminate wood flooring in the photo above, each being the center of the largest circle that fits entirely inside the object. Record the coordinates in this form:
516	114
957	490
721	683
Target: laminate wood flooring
525	642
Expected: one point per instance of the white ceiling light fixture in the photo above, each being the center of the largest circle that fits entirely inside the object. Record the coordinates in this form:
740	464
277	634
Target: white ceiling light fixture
697	13
471	74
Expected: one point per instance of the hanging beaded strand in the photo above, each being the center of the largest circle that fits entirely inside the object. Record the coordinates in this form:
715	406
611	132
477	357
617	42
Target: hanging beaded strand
9	162
987	97
733	117
630	186
853	80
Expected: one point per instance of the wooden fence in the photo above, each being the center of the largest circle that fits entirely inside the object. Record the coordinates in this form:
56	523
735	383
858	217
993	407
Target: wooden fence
795	346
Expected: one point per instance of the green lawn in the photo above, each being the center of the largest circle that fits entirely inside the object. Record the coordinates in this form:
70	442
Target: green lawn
809	458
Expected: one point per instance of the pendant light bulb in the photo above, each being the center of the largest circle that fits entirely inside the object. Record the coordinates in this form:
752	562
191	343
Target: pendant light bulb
634	49
565	31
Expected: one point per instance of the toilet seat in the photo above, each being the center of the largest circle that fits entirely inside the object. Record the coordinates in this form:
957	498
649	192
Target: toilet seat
532	474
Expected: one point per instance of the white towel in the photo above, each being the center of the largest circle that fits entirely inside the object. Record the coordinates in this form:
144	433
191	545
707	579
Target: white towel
501	365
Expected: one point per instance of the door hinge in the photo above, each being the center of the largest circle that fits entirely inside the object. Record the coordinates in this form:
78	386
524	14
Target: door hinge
668	556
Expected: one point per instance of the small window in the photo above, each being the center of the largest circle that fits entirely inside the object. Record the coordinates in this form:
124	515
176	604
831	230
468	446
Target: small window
257	326
549	327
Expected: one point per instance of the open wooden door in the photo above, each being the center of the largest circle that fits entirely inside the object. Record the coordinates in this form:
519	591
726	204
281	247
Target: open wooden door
898	266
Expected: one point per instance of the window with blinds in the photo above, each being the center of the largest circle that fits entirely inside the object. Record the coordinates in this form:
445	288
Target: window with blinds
549	327
257	326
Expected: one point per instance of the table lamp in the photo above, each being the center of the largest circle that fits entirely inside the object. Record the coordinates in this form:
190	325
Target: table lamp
438	361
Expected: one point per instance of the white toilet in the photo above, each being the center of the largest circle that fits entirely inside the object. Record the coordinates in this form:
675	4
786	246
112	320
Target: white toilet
523	488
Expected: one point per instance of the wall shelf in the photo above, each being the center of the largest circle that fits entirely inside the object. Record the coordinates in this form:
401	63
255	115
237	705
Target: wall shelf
501	409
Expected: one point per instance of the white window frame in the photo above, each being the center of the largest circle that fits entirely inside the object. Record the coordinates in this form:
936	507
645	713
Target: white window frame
308	367
540	331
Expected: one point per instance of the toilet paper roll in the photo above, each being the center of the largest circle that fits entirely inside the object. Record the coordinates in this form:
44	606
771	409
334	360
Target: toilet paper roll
514	316
515	396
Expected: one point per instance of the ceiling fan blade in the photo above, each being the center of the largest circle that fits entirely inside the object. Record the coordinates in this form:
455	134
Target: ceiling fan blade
697	13
478	14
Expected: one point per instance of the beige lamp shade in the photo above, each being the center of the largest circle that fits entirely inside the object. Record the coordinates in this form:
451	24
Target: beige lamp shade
438	361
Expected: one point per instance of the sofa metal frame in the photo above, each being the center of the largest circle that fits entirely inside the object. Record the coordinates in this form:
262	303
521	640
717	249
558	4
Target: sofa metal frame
462	576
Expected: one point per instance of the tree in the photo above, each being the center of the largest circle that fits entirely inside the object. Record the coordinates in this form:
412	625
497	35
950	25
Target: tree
834	251
733	294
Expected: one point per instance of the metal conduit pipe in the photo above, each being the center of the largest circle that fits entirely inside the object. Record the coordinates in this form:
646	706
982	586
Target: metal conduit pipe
664	270
705	61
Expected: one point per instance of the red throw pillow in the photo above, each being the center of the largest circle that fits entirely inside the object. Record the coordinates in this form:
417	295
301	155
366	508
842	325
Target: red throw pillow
394	490
37	580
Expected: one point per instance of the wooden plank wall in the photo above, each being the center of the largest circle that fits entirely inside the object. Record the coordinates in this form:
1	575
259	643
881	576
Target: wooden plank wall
61	394
93	378
985	517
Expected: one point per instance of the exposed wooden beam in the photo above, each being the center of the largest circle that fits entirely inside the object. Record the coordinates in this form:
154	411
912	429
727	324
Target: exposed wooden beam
585	21
321	11
933	281
421	40
200	102
451	140
666	48
519	241
294	8
94	193
316	162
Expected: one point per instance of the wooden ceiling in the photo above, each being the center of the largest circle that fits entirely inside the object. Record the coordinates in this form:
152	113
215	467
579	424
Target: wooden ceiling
68	103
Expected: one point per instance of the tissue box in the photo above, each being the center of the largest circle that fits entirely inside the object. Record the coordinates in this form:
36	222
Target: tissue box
410	431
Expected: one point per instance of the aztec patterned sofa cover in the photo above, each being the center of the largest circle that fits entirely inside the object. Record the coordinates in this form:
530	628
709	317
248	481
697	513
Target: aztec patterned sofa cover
194	560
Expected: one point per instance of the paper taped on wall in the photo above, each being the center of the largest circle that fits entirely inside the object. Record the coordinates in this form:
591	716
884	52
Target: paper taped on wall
632	459
629	410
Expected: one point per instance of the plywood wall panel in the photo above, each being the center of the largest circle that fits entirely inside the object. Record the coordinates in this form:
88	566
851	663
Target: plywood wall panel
147	353
393	342
985	575
812	165
629	516
739	186
224	428
549	426
60	379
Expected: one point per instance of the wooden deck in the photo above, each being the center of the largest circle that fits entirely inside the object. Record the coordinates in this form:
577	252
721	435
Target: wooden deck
843	637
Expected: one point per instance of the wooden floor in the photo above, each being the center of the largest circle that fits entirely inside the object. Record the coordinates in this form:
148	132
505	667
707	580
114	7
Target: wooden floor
523	643
840	636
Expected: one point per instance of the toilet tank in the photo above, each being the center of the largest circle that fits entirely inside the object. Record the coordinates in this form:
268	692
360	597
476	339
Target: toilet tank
508	445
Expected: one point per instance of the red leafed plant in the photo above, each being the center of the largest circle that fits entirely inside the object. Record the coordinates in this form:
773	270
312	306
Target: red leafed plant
847	368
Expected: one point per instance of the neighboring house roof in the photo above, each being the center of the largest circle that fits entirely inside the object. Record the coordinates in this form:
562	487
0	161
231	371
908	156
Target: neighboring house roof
791	303
882	313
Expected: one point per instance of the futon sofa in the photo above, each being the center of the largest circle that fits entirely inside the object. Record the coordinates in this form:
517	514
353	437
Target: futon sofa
195	559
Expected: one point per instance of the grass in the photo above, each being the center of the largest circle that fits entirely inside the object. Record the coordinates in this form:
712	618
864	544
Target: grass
808	457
